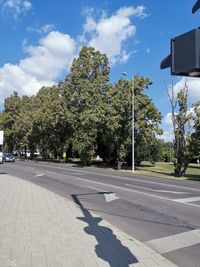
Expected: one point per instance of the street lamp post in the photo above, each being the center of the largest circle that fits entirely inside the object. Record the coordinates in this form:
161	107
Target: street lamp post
132	122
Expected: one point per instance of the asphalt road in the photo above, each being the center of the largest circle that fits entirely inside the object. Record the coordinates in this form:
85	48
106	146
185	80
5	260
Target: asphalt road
163	213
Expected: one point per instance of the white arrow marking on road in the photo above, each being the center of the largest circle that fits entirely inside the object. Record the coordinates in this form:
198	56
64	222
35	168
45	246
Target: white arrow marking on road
110	197
186	200
158	190
39	174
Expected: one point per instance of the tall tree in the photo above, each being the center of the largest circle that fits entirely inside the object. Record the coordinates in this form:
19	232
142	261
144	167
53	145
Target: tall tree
9	121
116	135
147	119
180	120
50	122
194	145
83	91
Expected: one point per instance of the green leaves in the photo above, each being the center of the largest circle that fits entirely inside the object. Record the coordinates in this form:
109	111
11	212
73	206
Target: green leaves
194	141
84	112
83	92
182	155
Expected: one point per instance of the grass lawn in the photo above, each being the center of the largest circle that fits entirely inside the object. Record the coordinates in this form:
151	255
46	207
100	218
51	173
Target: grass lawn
163	169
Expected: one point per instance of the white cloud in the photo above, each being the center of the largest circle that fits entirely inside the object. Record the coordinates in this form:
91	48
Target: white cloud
90	25
193	85
44	64
15	7
46	61
167	120
167	125
109	34
43	30
13	78
168	134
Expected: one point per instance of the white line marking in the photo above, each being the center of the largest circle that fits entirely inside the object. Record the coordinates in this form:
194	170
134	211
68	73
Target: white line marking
174	242
122	177
39	174
187	199
51	172
135	180
157	190
74	173
131	190
95	188
174	192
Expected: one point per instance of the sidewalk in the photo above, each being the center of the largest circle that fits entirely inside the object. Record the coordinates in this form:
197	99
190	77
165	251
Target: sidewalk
41	229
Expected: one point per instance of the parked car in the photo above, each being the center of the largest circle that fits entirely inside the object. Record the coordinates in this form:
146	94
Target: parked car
8	157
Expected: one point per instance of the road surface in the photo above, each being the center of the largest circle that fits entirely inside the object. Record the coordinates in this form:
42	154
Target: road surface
162	213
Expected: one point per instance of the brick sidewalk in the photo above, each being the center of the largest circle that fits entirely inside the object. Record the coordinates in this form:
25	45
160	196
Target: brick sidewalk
41	229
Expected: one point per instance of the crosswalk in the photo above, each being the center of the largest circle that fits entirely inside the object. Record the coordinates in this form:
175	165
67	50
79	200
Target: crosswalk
174	242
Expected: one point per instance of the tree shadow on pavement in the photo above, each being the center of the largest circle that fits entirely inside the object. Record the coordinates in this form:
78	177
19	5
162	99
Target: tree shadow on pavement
109	248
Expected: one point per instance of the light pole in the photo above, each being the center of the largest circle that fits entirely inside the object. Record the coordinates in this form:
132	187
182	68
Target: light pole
132	122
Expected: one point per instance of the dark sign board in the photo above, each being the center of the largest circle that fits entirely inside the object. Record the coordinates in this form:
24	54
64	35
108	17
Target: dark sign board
185	55
185	51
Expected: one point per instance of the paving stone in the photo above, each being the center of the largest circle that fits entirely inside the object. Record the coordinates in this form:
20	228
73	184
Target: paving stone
41	229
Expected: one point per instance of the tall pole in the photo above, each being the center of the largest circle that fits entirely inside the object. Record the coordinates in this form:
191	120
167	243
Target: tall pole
133	126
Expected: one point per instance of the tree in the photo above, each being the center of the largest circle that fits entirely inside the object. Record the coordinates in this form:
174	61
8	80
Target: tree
167	149
83	93
50	122
86	113
117	128
147	120
116	137
25	124
8	120
179	119
194	145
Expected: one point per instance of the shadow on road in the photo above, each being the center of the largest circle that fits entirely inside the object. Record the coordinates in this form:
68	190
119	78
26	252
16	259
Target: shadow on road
109	248
192	177
175	224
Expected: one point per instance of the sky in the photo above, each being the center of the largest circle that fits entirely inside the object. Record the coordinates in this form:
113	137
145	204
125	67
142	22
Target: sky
39	40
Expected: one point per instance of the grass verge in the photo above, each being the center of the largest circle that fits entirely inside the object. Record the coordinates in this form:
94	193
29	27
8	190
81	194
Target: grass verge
163	169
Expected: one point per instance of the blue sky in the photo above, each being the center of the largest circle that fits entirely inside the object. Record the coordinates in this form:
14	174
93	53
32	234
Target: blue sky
39	39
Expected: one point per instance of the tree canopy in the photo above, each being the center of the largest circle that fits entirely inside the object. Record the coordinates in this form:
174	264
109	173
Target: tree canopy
87	114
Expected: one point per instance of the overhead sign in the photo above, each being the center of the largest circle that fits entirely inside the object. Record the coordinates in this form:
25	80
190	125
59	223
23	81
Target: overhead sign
184	59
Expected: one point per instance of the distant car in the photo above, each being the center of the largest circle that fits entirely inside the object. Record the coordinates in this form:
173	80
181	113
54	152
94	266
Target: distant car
8	157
